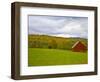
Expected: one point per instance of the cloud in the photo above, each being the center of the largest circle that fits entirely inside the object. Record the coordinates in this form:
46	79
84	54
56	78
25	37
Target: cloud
63	26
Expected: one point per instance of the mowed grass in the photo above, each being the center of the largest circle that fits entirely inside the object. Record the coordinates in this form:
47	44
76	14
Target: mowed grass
48	57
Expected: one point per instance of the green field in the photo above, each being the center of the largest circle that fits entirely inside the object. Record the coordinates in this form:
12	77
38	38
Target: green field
46	57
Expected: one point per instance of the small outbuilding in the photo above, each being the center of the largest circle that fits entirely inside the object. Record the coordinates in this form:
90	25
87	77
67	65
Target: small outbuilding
79	47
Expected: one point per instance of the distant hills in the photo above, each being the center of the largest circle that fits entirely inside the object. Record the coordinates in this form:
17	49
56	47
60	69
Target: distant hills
52	42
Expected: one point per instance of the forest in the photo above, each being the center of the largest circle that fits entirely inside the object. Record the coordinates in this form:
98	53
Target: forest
52	42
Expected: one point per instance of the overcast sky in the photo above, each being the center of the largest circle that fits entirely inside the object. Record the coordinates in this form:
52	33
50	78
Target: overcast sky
59	26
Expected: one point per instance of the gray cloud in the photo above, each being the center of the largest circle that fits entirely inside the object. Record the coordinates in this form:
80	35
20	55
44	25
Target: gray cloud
63	26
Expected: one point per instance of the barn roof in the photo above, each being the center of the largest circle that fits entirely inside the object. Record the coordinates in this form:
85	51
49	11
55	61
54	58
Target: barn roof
75	44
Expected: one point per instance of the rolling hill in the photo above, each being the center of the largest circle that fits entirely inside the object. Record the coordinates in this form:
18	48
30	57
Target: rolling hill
51	42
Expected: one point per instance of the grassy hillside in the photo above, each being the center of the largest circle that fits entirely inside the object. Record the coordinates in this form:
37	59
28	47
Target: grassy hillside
50	42
46	57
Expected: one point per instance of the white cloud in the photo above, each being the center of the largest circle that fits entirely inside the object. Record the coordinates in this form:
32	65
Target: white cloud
59	26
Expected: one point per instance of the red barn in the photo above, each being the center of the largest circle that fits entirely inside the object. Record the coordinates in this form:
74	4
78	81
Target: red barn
79	47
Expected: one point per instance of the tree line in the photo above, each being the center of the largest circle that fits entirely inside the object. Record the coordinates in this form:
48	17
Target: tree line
51	42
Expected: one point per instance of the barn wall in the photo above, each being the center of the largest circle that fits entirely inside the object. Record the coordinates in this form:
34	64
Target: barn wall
79	48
